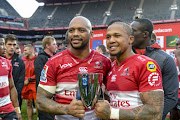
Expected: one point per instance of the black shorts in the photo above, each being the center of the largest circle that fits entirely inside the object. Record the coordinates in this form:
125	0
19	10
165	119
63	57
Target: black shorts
9	116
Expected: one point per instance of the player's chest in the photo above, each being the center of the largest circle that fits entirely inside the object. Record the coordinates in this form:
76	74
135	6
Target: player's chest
68	71
4	68
122	79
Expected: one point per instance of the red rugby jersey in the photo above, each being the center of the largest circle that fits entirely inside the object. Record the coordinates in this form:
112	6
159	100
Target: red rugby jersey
61	71
135	74
6	72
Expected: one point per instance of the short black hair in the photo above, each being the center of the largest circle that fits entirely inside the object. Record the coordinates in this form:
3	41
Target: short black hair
124	24
146	25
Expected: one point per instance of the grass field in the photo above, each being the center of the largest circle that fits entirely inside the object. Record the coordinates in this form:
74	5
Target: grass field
24	112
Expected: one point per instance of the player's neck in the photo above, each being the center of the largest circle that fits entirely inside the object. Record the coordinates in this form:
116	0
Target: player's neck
80	53
31	56
121	58
48	52
9	55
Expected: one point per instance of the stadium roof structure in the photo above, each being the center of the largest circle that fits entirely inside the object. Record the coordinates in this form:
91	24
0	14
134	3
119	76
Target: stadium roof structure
65	2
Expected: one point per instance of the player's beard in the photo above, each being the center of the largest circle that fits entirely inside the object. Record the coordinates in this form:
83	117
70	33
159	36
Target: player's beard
82	46
117	54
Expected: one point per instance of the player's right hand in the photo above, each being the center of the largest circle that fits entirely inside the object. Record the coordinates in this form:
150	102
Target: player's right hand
76	108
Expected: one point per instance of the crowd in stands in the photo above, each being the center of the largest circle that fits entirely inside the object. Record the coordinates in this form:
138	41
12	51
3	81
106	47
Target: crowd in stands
29	70
60	15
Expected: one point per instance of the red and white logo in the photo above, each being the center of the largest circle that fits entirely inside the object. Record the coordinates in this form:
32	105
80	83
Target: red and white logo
83	69
66	65
4	64
98	64
113	78
16	64
154	79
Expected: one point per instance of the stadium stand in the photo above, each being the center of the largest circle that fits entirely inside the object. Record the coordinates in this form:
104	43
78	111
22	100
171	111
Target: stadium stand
96	11
159	10
60	15
7	10
178	11
123	10
40	17
63	15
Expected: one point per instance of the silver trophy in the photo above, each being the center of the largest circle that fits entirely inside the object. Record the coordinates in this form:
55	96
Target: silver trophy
89	88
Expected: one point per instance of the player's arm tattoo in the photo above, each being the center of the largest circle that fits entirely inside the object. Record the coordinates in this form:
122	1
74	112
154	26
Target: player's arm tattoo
152	108
46	104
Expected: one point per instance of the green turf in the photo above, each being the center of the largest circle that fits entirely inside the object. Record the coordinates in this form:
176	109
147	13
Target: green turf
24	112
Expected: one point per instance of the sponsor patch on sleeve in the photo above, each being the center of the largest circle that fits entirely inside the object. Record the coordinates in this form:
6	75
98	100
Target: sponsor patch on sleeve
154	79
43	77
151	67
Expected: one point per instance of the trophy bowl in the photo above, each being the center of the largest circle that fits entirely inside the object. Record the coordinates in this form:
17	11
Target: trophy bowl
89	88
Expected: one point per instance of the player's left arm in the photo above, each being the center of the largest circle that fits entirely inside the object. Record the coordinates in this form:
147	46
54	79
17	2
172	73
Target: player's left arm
152	108
14	98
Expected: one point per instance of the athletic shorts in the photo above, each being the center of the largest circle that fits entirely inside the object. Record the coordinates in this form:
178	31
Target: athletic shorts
29	91
9	116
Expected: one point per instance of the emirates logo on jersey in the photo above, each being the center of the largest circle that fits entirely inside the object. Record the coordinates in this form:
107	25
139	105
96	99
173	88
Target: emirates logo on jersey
119	103
3	84
113	95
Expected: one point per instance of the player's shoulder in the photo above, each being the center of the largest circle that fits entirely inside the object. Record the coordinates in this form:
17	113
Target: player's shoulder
59	55
142	59
5	61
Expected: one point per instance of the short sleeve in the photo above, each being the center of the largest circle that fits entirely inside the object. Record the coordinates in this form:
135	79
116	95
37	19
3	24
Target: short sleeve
48	74
150	77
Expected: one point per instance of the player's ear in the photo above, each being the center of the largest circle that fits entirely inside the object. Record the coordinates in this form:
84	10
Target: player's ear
91	34
131	39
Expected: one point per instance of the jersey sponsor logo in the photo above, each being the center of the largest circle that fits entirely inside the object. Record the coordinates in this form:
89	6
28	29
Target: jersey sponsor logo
70	93
16	64
125	72
119	103
43	77
98	64
3	84
151	66
140	58
83	69
113	78
66	65
154	79
113	95
4	64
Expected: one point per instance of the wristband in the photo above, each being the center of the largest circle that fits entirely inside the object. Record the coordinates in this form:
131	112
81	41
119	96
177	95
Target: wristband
114	113
17	109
